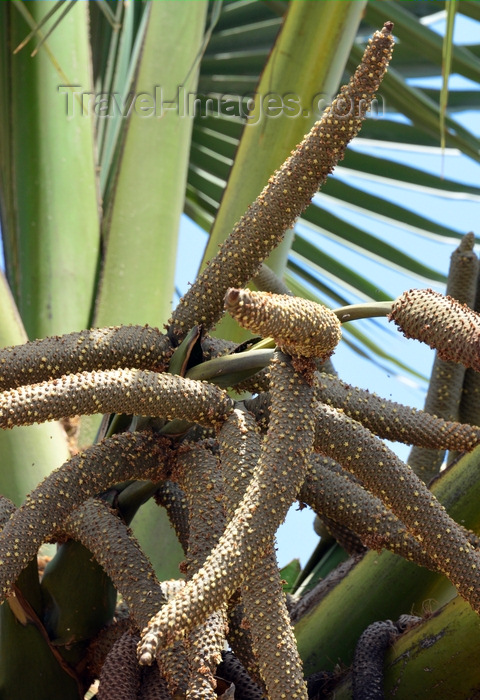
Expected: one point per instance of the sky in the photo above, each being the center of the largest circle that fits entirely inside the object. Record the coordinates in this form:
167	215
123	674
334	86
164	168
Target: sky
296	538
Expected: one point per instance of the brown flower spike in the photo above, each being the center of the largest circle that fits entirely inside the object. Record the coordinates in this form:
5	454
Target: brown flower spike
263	471
298	326
96	349
288	192
447	326
279	475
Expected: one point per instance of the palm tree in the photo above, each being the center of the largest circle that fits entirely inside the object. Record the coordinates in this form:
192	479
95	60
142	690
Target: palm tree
128	115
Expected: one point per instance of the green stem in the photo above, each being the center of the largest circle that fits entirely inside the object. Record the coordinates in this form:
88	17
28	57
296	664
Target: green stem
371	309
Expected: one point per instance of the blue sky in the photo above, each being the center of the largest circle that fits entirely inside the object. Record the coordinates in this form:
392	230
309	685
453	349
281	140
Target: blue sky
296	537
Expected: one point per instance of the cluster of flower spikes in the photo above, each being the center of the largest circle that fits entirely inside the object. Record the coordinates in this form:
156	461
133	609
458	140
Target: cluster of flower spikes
100	372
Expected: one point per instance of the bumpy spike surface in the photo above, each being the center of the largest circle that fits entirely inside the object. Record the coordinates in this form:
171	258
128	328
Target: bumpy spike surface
233	670
387	477
345	537
173	499
298	326
115	391
127	456
367	667
120	676
446	381
173	662
287	193
153	685
263	598
335	495
394	421
440	322
96	349
267	281
102	532
198	472
103	642
249	534
7	508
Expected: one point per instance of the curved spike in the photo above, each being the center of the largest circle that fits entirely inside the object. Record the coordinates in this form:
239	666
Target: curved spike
153	687
117	459
394	421
232	670
250	533
267	281
120	676
335	495
101	644
96	349
133	391
298	326
287	193
401	490
198	473
112	544
367	667
172	498
263	599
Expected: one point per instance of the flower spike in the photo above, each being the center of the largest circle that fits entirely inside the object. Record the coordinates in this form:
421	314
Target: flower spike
442	323
96	349
298	326
288	192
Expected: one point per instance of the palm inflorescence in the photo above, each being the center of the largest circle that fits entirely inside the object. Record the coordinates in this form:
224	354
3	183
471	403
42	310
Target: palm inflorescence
227	470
